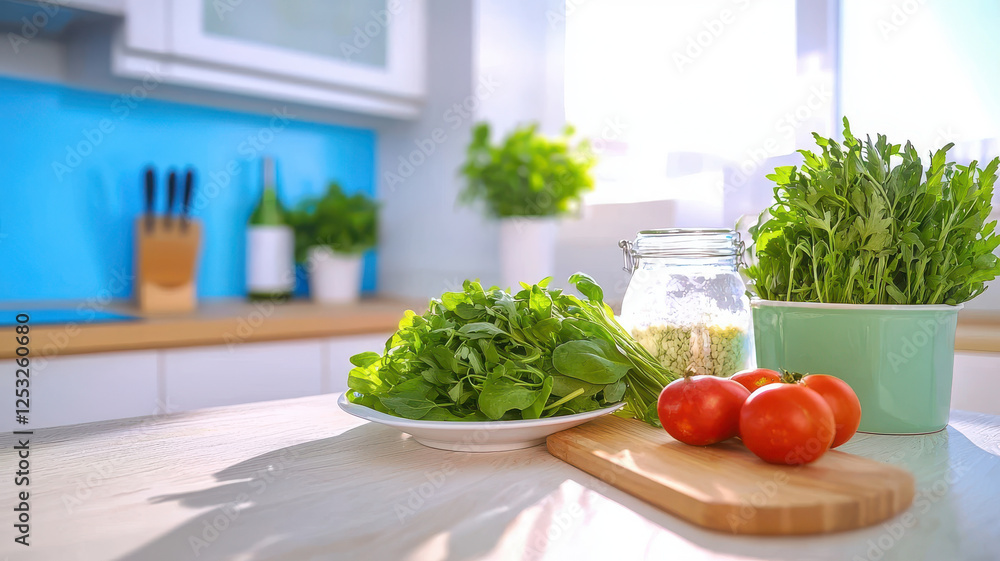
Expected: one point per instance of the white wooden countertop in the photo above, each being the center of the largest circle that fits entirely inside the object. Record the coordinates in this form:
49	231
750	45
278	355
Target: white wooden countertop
299	480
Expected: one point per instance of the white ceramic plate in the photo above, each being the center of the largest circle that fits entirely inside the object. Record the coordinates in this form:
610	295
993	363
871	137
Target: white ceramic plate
490	436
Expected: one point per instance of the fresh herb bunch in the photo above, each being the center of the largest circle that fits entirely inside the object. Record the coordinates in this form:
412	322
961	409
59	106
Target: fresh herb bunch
481	355
527	174
865	223
346	223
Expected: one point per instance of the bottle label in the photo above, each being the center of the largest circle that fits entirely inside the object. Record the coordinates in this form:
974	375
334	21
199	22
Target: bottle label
270	259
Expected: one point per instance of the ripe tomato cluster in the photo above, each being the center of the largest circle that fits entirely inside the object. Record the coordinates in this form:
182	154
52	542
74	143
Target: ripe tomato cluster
782	423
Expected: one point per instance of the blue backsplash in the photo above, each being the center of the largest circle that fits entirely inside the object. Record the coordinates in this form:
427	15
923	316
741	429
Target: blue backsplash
71	163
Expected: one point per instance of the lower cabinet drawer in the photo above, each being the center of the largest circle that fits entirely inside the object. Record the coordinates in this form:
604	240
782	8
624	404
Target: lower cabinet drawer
976	383
66	390
222	375
98	387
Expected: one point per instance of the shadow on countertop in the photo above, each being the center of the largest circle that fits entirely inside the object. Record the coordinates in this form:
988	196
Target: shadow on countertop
352	496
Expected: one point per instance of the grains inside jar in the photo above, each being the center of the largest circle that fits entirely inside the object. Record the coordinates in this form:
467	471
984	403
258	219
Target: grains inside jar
703	349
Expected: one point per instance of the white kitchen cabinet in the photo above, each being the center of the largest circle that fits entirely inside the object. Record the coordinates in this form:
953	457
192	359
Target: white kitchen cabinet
96	387
976	382
68	390
200	377
339	351
365	56
102	386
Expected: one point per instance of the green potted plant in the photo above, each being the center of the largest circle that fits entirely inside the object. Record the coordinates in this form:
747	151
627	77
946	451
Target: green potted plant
331	234
861	266
527	181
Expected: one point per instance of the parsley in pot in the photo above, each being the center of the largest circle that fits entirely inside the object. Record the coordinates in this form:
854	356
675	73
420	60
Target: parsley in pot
865	223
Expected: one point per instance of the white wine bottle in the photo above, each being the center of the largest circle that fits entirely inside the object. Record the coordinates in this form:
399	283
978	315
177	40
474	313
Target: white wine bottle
270	244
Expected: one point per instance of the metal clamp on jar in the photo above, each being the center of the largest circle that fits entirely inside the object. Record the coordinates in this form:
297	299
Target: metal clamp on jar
686	302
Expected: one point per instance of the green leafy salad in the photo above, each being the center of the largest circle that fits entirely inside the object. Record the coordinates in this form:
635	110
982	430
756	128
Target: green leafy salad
866	223
489	355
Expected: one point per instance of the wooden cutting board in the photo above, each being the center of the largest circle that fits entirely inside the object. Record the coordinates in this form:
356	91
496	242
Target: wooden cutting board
725	487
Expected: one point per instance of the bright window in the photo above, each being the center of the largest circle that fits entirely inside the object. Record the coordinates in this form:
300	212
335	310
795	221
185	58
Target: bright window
670	88
925	72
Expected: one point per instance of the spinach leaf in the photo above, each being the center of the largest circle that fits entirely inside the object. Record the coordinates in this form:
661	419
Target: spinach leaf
588	287
587	361
439	377
614	392
534	410
501	394
564	385
480	329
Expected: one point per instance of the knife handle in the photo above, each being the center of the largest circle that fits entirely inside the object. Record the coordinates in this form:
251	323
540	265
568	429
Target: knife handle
150	196
186	202
171	194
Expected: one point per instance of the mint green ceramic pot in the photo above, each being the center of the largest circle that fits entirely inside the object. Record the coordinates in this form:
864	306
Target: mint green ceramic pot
898	359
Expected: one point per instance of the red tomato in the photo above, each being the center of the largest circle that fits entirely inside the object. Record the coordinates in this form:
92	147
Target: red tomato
753	379
787	424
701	410
842	401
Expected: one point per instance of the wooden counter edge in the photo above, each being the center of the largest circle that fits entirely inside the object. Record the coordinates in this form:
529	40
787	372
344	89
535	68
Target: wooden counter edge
977	337
300	321
978	332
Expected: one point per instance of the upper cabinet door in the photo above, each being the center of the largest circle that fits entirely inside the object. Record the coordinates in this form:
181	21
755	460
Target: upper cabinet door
359	55
366	44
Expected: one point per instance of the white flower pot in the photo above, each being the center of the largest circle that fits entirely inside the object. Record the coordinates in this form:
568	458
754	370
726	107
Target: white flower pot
333	277
527	250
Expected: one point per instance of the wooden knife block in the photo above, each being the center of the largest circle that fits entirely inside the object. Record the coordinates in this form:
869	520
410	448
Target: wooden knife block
166	254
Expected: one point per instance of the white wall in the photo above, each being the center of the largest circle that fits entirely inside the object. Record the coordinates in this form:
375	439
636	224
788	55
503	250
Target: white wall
520	44
589	243
487	60
426	243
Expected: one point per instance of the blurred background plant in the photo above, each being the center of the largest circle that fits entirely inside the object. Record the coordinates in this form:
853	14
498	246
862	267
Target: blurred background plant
527	174
347	224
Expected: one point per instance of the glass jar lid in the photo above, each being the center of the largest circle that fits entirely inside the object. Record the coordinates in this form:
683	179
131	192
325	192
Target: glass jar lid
682	242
